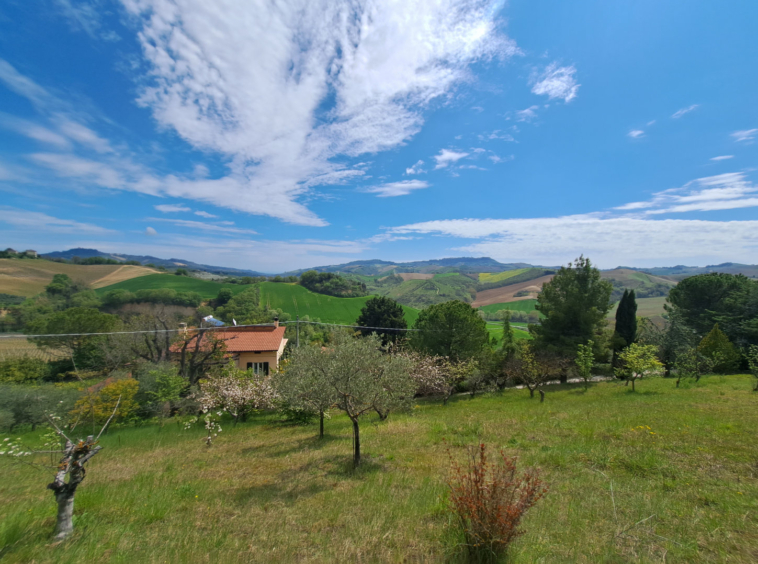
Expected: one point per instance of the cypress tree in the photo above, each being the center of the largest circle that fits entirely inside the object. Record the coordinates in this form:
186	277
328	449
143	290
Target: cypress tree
626	318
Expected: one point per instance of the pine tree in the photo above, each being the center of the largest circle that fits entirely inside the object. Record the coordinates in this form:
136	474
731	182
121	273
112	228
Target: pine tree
717	347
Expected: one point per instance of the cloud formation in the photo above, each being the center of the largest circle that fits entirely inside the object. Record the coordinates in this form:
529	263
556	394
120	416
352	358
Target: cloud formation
292	92
688	109
447	157
402	188
556	82
722	158
416	169
744	135
172	208
40	222
636	133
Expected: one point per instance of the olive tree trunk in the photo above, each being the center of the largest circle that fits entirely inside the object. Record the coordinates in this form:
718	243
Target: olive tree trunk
356	444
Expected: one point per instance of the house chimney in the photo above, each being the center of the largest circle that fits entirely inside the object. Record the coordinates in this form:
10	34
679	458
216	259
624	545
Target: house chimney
276	322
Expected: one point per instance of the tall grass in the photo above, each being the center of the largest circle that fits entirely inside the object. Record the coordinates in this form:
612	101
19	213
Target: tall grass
660	474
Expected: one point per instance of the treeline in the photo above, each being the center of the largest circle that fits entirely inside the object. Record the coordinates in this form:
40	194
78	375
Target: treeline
332	284
167	296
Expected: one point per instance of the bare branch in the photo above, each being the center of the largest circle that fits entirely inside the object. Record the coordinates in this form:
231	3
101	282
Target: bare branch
109	419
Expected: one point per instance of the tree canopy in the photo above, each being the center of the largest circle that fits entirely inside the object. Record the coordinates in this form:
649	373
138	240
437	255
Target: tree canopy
381	311
574	303
452	329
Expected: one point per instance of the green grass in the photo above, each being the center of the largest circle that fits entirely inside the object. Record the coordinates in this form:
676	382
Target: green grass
206	288
488	277
520	305
268	492
446	275
495	330
296	300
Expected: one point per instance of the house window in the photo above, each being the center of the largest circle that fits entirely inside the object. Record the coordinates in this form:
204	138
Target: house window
259	367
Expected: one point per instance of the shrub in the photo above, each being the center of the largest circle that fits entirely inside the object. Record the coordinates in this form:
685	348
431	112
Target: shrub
490	500
717	347
97	406
23	370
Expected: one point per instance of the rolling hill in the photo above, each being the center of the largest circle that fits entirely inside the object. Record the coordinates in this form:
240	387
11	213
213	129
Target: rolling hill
296	300
28	277
506	294
206	288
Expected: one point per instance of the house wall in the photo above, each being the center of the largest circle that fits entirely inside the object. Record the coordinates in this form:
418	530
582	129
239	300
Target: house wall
272	357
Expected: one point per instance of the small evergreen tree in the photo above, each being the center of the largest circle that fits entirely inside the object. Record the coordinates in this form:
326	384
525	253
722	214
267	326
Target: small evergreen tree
381	311
509	339
717	347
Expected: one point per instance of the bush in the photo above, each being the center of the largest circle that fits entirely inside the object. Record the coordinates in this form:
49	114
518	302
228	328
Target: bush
23	370
98	406
717	347
490	500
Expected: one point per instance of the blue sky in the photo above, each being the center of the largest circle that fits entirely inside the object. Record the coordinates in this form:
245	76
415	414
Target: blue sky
282	135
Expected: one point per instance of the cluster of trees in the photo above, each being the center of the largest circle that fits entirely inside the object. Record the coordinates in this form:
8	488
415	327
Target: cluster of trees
511	315
332	284
167	296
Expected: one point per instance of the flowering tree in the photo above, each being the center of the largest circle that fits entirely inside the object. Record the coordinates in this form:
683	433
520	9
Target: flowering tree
237	392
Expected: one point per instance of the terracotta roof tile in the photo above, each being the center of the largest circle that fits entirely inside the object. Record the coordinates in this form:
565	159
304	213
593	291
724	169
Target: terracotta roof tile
246	339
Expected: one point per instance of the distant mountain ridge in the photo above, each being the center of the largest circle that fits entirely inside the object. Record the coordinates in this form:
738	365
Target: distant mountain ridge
147	259
434	266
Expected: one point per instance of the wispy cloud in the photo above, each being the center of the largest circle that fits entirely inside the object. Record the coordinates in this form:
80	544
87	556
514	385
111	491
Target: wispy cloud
416	169
721	192
257	97
447	157
207	227
172	208
496	135
402	188
722	158
205	214
41	222
556	82
85	15
688	109
636	133
744	135
150	232
528	114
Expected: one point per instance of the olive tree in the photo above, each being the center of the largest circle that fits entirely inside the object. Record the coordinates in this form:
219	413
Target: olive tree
362	378
638	361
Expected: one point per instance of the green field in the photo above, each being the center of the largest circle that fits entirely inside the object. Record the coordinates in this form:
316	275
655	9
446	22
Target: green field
495	330
296	300
446	275
489	277
520	305
660	475
651	308
206	288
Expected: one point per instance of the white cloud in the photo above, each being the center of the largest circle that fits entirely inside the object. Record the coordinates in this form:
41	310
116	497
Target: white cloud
205	214
496	159
416	169
722	158
721	192
446	157
84	15
402	188
556	82
219	228
150	232
528	114
257	97
497	134
43	223
744	135
172	208
683	111
557	240
636	133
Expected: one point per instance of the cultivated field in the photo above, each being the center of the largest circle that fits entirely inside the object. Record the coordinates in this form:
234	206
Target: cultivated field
19	346
206	288
28	277
521	305
414	276
487	277
296	300
495	329
651	308
660	475
506	293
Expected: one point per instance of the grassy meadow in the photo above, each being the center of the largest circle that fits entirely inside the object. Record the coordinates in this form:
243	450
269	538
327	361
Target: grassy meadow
296	300
206	288
660	475
520	305
495	329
